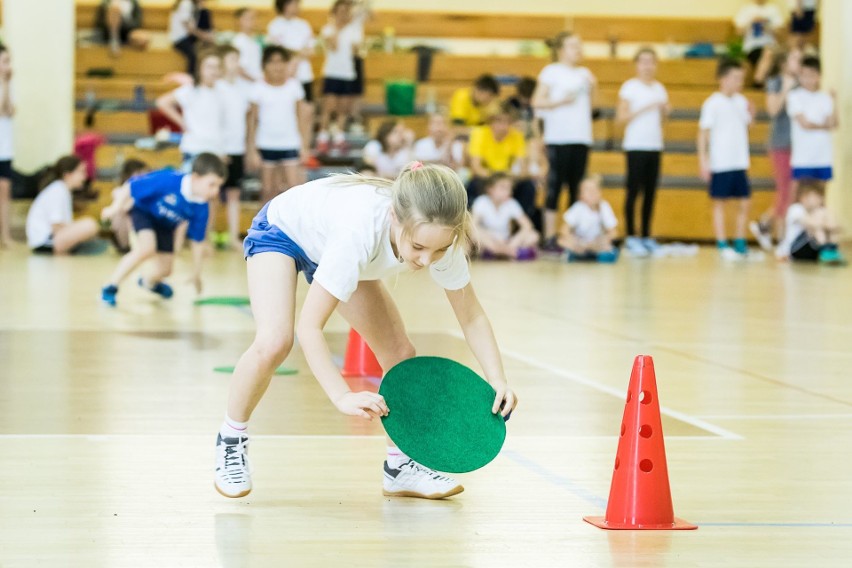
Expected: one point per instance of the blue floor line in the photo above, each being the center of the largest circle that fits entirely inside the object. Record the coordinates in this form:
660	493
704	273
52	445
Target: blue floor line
564	482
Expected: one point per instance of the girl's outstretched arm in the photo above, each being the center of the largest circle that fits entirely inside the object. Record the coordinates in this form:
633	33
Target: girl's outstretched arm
480	337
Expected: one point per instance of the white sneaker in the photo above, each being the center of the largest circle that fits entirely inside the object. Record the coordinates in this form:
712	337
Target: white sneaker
761	234
411	479
635	247
233	472
730	254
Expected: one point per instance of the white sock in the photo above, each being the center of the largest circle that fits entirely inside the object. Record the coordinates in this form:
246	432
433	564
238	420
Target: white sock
233	429
395	457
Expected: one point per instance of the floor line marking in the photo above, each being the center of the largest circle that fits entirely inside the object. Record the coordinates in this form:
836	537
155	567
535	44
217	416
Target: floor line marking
776	416
601	387
556	479
107	437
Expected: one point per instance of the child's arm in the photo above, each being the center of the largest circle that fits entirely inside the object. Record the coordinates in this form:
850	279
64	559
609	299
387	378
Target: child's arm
169	106
198	253
318	307
478	168
480	337
304	116
833	120
704	153
6	106
541	99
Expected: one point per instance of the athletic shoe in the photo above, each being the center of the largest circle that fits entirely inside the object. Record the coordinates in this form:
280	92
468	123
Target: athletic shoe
635	247
550	245
651	245
831	256
585	257
323	143
108	295
526	254
233	472
160	288
727	253
761	233
411	479
741	247
608	257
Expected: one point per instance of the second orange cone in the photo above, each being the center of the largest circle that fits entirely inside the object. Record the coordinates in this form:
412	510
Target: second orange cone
360	360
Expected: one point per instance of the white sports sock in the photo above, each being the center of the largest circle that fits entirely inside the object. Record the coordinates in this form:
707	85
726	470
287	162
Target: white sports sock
395	457
233	429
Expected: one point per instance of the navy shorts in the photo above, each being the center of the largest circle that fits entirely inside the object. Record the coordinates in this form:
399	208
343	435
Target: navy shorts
339	87
165	234
805	24
275	156
821	174
5	169
236	173
730	185
309	91
265	237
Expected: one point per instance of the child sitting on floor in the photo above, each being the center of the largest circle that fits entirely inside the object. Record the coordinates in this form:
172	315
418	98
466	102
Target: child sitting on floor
812	229
589	227
494	215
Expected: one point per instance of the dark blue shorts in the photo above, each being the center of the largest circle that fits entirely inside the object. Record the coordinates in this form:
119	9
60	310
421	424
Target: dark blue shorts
730	185
275	156
265	237
339	87
805	24
821	174
5	169
164	233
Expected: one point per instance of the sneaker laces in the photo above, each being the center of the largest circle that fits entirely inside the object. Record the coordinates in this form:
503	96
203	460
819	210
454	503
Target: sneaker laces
236	464
418	469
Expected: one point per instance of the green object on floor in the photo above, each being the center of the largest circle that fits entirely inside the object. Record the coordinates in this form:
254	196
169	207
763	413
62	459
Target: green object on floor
280	371
223	301
400	97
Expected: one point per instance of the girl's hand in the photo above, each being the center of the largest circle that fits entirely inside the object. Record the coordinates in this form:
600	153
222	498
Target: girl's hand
365	404
506	398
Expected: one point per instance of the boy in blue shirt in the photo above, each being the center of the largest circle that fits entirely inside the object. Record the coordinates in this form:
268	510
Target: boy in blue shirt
158	203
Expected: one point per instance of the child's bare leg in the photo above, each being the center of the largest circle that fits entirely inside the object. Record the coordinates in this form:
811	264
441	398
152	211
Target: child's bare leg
121	227
160	269
329	106
233	198
74	234
272	290
267	182
743	210
488	241
523	239
294	174
719	219
144	248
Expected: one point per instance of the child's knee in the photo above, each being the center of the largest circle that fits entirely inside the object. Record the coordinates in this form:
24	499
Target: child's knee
401	351
272	349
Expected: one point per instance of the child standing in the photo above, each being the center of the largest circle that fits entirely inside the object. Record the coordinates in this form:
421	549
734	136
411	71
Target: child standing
291	32
278	129
391	150
814	115
812	230
235	92
199	110
51	227
158	203
643	104
494	213
723	153
563	99
248	45
589	227
346	233
7	144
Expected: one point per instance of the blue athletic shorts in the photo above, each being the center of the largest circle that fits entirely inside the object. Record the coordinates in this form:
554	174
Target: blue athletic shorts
821	174
164	233
265	237
275	156
730	185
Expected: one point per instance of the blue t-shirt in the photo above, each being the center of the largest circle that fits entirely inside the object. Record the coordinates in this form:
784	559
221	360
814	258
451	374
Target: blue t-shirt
165	195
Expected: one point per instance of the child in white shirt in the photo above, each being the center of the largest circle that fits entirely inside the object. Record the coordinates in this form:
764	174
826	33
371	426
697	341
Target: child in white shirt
589	227
290	31
248	45
391	151
758	21
494	214
812	230
813	115
723	153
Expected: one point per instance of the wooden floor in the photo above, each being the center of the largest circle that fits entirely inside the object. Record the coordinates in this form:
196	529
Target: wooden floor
108	418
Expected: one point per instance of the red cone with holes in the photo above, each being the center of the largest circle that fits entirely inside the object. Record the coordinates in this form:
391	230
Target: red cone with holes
360	360
640	497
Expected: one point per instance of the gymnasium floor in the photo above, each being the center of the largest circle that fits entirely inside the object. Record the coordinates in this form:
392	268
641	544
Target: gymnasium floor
108	418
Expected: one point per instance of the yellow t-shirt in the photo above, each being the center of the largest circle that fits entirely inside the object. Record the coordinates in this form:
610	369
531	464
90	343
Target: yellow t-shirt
462	109
497	156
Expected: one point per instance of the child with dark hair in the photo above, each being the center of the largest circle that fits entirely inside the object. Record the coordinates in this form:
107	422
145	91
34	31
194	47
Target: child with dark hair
812	230
291	32
51	227
723	153
472	106
813	114
7	146
391	151
521	101
503	229
158	203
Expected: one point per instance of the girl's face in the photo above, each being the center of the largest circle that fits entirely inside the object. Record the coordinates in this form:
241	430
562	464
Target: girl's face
275	70
231	62
5	64
209	70
438	126
248	22
75	179
425	245
501	191
395	137
590	193
572	50
646	66
291	10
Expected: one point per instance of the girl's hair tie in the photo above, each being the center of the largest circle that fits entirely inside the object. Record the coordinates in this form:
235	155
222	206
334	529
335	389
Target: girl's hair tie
416	166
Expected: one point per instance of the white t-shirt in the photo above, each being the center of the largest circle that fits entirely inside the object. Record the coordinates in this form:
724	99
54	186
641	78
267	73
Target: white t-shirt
758	35
494	219
811	148
296	35
645	131
589	224
387	165
180	17
346	231
806	4
52	206
339	63
569	123
795	226
235	98
204	119
727	119
7	138
426	150
278	123
251	55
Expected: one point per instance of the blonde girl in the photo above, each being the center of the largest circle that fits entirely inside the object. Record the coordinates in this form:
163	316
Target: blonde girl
346	233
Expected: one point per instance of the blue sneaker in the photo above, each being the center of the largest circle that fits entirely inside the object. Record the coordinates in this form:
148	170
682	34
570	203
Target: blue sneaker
636	247
108	295
585	257
831	256
160	288
651	245
741	246
608	257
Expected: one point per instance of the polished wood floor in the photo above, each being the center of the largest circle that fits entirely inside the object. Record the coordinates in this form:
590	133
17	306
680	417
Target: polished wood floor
108	418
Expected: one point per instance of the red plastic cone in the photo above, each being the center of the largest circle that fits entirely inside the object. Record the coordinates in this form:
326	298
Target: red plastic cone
360	360
640	497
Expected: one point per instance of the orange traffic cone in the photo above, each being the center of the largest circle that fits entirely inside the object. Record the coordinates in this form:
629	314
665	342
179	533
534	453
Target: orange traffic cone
640	497
360	360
